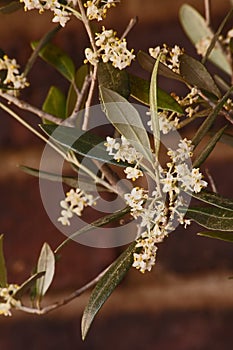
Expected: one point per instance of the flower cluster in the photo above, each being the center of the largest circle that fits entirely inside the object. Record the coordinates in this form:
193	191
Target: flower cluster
110	49
61	14
121	150
74	203
169	56
97	9
10	77
159	212
7	299
167	121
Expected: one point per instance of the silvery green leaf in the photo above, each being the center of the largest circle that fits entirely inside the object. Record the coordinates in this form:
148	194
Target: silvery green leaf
197	29
46	263
126	119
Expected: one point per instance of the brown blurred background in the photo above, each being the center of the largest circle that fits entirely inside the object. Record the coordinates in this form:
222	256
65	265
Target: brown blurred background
186	303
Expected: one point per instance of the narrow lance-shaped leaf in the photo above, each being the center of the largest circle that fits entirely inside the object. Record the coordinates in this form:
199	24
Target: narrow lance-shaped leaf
214	199
106	286
3	273
57	58
221	83
197	29
195	74
212	218
154	107
84	143
72	181
28	284
80	76
216	36
39	46
140	90
97	223
223	236
206	125
46	263
209	148
126	119
147	62
55	103
114	79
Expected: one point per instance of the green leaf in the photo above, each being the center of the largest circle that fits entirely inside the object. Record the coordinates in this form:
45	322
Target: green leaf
154	107
209	148
215	38
55	103
97	223
106	286
28	284
3	273
223	236
57	58
46	263
80	76
221	83
147	62
214	199
84	143
71	181
195	74
197	29
206	125
39	46
114	79
140	89
212	218
9	6
126	119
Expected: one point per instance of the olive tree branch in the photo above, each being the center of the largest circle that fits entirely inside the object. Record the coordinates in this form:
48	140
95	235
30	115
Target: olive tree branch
64	301
27	107
71	120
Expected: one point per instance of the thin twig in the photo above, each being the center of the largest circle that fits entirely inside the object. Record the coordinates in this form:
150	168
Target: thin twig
27	107
211	181
112	178
43	41
87	25
30	128
207	11
70	157
227	115
64	301
89	98
216	36
71	121
129	27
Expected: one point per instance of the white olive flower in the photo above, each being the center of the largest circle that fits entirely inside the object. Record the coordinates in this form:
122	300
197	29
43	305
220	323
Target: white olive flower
111	49
61	17
74	203
5	309
13	78
7	299
133	173
145	259
169	56
98	9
